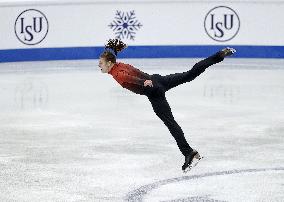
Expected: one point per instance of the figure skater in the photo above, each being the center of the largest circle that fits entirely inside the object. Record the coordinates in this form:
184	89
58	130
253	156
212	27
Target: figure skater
155	86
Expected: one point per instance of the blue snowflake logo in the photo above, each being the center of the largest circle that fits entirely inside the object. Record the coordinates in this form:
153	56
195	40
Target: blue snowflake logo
125	25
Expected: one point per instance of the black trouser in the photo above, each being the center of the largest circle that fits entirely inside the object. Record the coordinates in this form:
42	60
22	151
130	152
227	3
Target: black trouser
161	84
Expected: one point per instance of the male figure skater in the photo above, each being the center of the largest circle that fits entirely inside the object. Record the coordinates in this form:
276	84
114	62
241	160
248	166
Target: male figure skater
155	86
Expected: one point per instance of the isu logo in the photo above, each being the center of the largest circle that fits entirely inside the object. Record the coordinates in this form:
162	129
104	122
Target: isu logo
31	27
222	23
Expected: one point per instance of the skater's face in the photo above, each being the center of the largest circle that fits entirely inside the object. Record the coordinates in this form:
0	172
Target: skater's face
105	65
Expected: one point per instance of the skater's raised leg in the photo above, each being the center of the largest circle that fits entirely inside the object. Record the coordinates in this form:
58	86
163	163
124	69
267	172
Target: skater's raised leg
173	80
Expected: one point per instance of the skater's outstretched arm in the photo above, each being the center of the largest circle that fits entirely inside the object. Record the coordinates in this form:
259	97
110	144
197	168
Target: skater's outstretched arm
123	76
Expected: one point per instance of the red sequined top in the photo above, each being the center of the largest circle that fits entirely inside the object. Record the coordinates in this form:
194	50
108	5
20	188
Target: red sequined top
129	77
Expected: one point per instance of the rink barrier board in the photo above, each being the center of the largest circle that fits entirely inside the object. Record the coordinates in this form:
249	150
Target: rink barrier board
81	53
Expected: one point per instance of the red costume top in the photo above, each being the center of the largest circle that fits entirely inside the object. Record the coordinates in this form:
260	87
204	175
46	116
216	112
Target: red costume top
129	77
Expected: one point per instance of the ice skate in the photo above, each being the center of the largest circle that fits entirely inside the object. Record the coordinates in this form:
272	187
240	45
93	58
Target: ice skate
191	161
228	51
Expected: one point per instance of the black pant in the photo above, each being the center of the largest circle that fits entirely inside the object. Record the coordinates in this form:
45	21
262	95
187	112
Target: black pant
161	84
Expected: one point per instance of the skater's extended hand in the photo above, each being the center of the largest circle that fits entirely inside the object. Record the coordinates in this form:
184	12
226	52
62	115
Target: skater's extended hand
148	83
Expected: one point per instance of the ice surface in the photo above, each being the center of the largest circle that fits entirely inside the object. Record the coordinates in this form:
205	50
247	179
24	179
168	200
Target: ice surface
70	133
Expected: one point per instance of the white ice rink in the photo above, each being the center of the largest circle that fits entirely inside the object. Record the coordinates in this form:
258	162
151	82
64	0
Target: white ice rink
70	133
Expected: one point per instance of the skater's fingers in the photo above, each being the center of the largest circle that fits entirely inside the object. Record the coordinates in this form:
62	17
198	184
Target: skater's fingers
148	83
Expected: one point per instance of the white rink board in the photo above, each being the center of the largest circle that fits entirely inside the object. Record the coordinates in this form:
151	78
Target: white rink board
166	23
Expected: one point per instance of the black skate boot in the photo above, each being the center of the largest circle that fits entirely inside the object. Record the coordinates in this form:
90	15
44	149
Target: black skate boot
191	161
227	52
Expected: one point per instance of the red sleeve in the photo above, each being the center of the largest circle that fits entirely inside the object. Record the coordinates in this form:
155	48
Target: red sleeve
124	77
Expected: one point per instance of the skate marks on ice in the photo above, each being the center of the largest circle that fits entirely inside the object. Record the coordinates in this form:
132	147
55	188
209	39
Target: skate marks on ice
140	193
195	199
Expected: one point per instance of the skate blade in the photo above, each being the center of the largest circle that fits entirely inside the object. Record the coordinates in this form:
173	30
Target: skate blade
194	163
